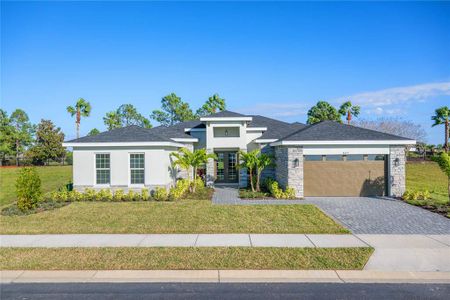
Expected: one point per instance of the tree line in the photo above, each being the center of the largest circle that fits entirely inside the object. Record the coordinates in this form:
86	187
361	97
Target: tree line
41	143
173	110
37	143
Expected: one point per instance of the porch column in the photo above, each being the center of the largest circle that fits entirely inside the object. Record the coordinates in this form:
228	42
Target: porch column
243	176
397	171
289	168
210	178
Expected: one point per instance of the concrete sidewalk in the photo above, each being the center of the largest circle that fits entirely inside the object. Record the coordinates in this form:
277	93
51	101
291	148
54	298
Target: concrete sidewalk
336	276
182	240
424	253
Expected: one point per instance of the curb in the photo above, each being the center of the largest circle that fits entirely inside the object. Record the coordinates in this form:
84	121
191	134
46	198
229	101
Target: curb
222	276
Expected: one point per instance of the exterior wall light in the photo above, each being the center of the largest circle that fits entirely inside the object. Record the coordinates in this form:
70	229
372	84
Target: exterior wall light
396	162
296	163
226	132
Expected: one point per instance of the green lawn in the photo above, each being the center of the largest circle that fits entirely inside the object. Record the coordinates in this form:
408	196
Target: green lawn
52	178
183	258
427	176
186	216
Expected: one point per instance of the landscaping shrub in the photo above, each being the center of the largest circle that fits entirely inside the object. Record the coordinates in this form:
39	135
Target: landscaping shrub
179	190
28	189
89	195
199	184
277	192
145	195
160	194
416	195
118	195
104	195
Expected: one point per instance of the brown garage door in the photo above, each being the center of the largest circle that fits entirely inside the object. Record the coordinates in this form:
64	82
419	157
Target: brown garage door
344	178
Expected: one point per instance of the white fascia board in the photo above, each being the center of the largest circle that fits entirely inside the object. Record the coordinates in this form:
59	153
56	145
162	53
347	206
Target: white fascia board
222	125
124	144
189	140
256	128
265	141
370	142
194	129
226	119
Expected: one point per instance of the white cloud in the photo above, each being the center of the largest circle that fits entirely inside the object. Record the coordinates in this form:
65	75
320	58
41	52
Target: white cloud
400	95
392	101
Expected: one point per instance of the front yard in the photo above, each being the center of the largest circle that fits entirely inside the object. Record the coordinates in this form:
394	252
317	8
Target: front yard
185	216
183	258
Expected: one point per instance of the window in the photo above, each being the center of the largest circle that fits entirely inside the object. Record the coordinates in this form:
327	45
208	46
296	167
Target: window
334	158
355	157
226	131
102	168
313	157
137	168
375	157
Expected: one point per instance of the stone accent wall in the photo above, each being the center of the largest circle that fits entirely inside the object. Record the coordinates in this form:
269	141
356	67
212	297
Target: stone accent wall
210	165
286	173
397	174
180	173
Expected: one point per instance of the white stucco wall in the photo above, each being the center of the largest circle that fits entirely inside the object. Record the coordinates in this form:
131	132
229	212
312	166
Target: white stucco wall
226	142
157	166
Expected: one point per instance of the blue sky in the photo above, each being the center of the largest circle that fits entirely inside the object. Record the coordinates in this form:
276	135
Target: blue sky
274	59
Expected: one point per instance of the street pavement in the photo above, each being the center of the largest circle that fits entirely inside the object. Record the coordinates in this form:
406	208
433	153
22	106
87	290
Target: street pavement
258	291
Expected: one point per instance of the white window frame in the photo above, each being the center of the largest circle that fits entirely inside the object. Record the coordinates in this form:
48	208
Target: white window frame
129	170
95	170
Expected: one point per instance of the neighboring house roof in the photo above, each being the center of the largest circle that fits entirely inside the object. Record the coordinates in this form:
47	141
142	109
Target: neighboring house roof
335	131
130	133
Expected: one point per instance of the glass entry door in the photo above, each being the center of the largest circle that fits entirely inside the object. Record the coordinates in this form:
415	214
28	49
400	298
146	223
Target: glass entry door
226	167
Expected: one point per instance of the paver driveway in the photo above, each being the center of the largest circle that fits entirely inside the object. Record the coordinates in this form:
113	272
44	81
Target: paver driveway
362	215
382	216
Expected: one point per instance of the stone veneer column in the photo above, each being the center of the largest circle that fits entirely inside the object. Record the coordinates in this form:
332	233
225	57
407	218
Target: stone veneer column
243	176
397	174
287	174
210	165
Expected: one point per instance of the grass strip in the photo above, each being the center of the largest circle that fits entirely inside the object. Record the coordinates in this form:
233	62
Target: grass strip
185	216
178	258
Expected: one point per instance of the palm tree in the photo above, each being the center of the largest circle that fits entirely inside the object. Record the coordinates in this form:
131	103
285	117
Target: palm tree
262	161
187	159
347	110
82	109
248	160
442	116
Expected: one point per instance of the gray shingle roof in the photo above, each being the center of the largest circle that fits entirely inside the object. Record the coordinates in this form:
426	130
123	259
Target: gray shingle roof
275	128
225	114
334	131
131	133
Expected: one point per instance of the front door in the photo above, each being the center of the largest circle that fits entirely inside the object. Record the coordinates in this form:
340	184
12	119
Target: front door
226	167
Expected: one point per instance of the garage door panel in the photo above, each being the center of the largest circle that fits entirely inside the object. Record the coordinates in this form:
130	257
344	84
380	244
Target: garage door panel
344	178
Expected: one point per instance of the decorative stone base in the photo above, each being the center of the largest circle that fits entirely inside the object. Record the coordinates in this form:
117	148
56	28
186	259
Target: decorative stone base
289	168
397	171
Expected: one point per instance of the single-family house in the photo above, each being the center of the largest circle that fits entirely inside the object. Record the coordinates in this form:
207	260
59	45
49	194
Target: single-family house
323	159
